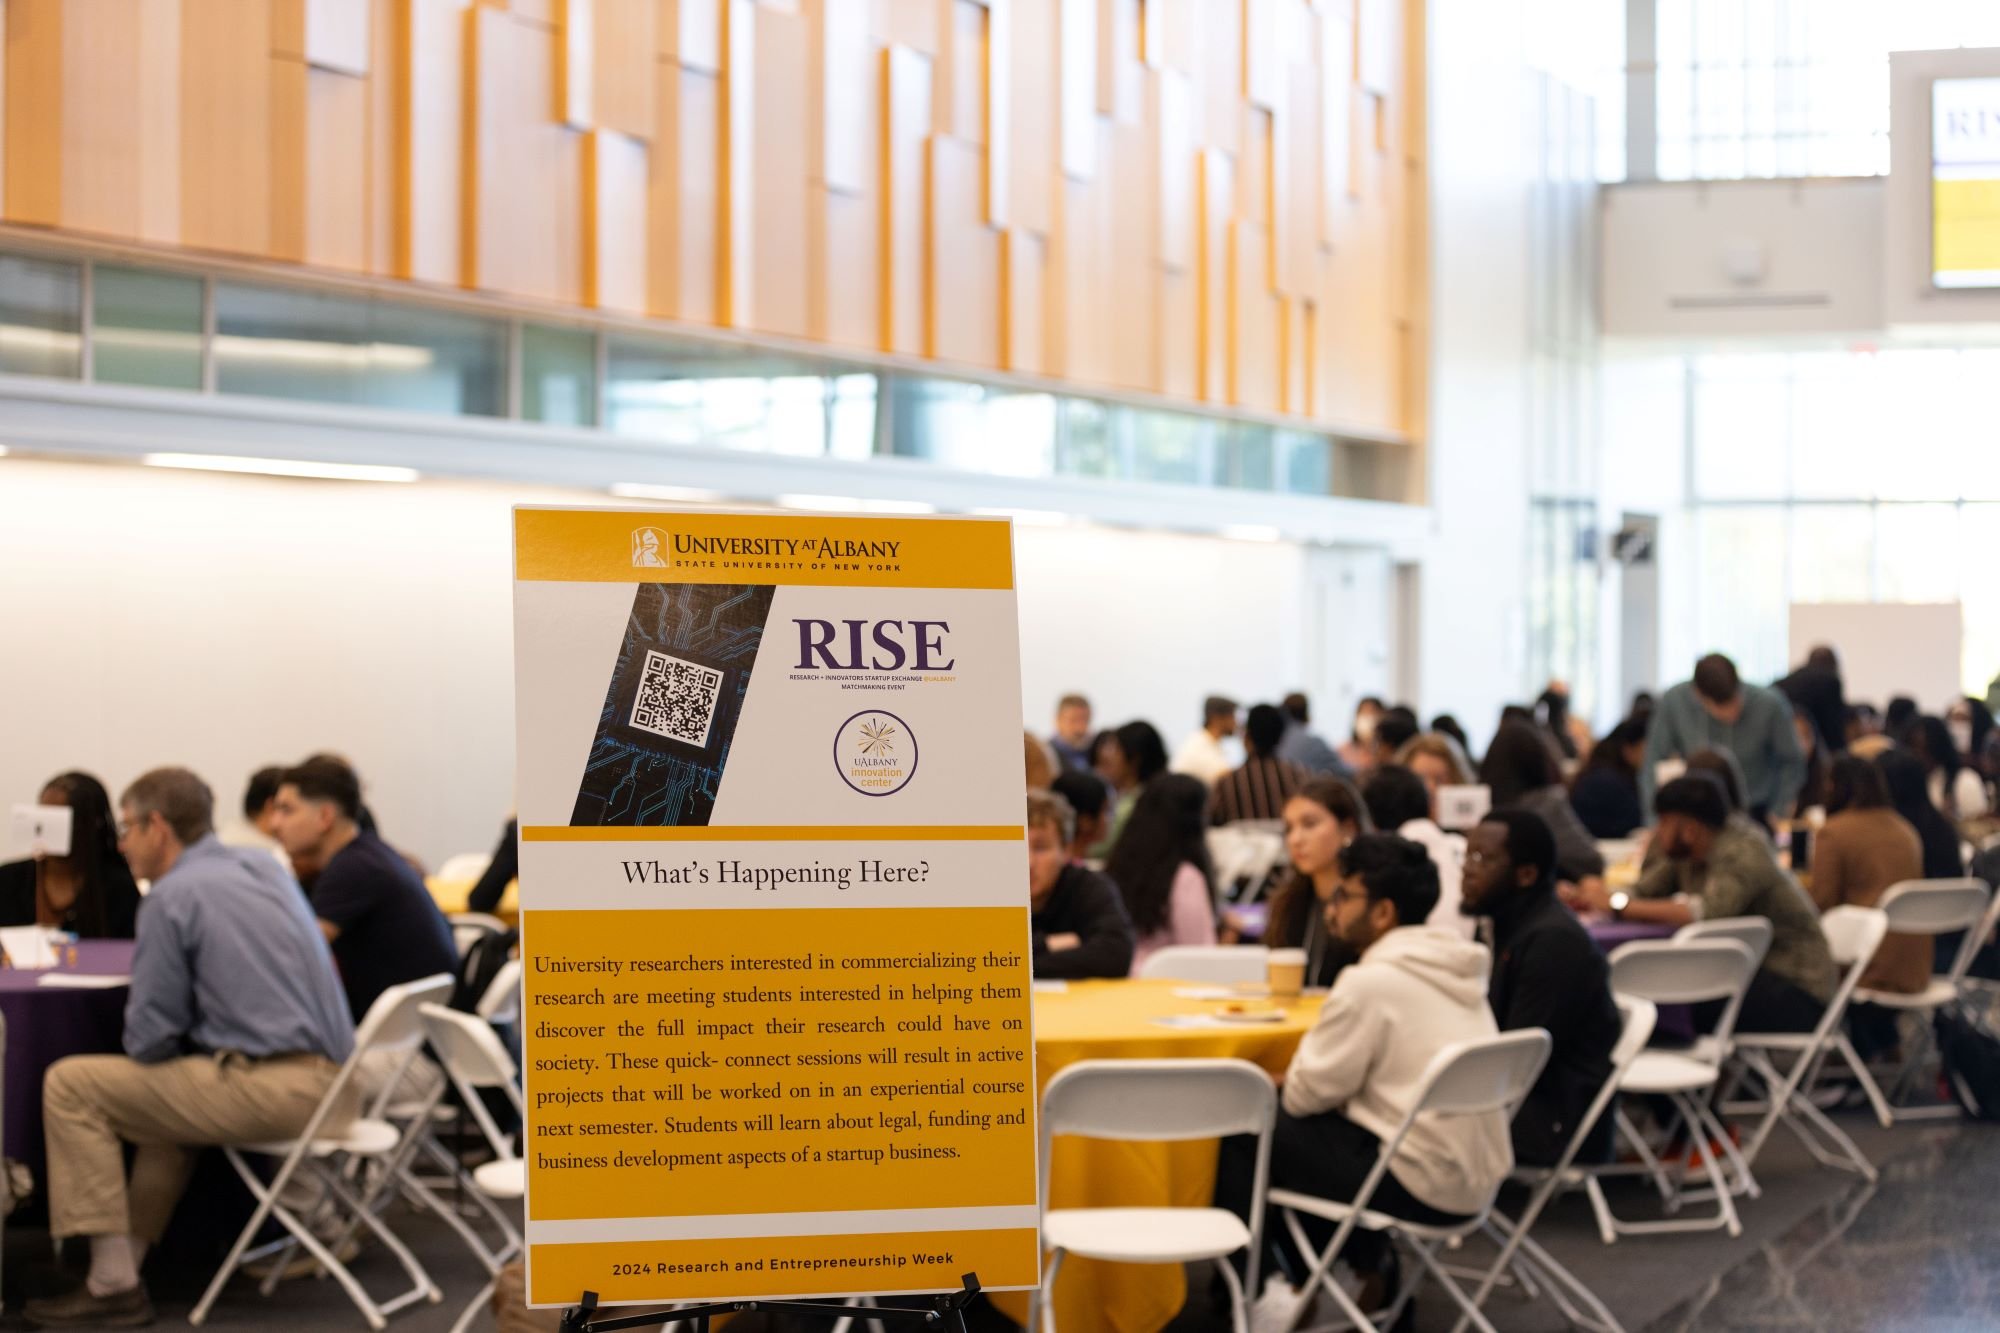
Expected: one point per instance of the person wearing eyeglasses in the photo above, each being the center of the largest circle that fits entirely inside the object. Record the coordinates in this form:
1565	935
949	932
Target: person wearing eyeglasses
1410	992
235	1029
1546	974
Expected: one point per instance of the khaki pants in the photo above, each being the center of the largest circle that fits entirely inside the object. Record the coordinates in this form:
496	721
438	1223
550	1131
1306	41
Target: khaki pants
93	1104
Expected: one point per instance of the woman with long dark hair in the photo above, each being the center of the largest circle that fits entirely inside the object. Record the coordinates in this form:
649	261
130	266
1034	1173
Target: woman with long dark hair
1957	791
1128	758
1322	818
1520	769
1161	866
1605	794
90	891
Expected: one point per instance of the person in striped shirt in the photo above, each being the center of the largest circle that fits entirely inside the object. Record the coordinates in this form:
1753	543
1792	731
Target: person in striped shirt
1260	788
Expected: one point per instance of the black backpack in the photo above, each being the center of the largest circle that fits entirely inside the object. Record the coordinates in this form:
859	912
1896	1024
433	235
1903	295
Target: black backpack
1970	1052
482	962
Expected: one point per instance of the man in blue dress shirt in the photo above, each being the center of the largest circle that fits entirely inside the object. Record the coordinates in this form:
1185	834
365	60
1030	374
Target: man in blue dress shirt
235	1029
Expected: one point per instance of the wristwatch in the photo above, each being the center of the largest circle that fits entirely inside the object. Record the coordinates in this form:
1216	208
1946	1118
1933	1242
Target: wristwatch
1619	902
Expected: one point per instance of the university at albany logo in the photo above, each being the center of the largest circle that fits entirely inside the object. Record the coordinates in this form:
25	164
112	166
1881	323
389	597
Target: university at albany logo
875	753
649	549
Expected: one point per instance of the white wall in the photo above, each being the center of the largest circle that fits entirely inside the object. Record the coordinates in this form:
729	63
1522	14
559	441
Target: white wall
1148	624
1475	568
226	622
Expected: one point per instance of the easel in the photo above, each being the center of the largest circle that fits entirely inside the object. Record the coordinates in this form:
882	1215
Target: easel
945	1311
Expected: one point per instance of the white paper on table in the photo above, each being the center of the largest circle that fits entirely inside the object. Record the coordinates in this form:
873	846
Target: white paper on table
1051	987
28	947
1207	993
83	981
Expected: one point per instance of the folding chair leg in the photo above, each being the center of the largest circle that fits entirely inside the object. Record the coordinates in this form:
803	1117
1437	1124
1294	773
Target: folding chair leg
1869	1087
1047	1294
1321	1276
1560	1279
269	1207
1647	1157
1443	1279
1239	1308
1743	1182
1723	1197
1850	1156
473	1308
1607	1227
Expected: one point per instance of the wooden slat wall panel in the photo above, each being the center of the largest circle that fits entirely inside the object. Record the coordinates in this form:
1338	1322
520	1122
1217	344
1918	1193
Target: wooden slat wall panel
905	165
524	230
1215	200
783	123
962	316
225	141
683	196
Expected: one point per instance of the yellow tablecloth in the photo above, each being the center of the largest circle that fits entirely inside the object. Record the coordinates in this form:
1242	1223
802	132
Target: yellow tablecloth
450	896
1099	1020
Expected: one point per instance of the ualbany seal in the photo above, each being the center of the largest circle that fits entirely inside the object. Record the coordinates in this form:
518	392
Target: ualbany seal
875	753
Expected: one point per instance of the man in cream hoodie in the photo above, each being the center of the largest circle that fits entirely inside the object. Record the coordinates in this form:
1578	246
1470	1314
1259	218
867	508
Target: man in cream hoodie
1411	992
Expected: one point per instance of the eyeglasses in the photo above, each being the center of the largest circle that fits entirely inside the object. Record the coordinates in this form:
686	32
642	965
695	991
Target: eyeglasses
1481	859
1341	897
127	827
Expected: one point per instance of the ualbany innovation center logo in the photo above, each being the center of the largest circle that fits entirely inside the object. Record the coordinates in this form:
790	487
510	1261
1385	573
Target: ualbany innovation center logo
875	753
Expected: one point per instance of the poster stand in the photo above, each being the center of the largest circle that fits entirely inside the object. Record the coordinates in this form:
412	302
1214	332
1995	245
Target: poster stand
945	1311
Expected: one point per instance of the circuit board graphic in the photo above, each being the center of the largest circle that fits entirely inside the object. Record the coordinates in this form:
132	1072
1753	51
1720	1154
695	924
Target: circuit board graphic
676	691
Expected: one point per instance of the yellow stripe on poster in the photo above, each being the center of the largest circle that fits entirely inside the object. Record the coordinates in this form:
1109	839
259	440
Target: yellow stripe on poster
634	546
775	833
735	1268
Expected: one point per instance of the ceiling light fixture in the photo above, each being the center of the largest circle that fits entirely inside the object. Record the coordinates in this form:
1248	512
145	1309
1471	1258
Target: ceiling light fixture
282	467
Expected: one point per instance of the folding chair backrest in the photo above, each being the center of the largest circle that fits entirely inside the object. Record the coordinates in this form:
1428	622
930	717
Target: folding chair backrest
1755	931
1223	964
1636	1018
468	928
1853	934
1158	1100
474	1058
502	1001
1934	906
466	865
1670	972
1491	1074
393	1022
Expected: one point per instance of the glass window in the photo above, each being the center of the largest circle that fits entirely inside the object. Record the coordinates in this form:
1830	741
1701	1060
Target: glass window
1740	427
1089	444
1168	446
1836	431
558	375
1832	547
974	427
1739	592
1305	462
145	327
851	416
727	397
1917	554
284	343
1979	596
41	317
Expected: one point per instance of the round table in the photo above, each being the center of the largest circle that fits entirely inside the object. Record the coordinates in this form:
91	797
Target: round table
450	896
46	1023
1094	1020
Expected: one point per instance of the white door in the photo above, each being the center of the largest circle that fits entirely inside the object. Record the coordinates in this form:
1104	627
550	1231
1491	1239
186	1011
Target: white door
1349	632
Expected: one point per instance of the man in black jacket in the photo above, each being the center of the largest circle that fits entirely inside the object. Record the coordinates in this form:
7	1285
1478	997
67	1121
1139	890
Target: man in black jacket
1546	974
1079	923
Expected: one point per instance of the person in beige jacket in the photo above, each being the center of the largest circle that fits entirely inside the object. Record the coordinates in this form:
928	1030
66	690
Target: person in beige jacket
1411	991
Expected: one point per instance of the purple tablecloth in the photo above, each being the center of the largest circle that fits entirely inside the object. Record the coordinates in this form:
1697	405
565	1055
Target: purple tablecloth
46	1023
1608	934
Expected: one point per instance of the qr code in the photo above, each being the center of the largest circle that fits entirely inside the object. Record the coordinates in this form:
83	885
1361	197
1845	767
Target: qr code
676	699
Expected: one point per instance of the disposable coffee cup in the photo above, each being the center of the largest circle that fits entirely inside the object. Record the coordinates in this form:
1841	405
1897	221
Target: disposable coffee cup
1287	971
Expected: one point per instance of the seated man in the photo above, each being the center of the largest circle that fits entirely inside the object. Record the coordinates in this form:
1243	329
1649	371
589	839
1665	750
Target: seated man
1411	992
1260	788
1546	974
234	1031
1711	866
1079	924
378	916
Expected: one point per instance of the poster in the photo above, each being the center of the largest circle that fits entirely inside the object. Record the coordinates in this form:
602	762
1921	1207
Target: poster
1965	182
777	1037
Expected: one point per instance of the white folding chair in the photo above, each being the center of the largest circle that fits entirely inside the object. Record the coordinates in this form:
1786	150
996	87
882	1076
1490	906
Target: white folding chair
1486	1077
501	1004
1670	972
1217	964
1156	1101
465	865
468	928
1516	1245
393	1023
475	1060
1927	907
1754	931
